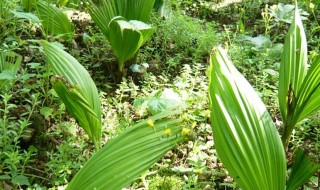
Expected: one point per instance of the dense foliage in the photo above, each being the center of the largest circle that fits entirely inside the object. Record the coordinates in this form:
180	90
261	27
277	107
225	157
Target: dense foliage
94	90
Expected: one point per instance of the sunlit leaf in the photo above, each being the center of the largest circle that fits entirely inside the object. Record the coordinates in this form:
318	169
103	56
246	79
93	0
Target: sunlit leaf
309	96
293	70
53	19
293	67
124	158
125	39
145	29
138	9
245	136
77	90
303	169
123	23
9	65
23	15
104	11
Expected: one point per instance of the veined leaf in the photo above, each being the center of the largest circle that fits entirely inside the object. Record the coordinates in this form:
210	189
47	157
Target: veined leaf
124	158
28	5
54	21
245	136
23	15
163	7
76	104
309	95
125	39
145	29
138	9
103	12
82	96
9	65
293	67
303	169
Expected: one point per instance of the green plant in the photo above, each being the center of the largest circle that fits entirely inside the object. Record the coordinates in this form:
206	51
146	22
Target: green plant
53	20
299	89
128	32
179	40
165	183
9	65
158	101
122	159
76	89
126	37
7	22
248	143
245	136
13	158
28	5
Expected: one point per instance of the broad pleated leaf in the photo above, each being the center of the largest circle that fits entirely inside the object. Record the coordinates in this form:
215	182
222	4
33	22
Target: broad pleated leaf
9	65
309	96
75	103
138	9
145	29
293	66
82	94
54	21
28	5
125	39
303	169
28	16
245	136
124	158
102	14
163	8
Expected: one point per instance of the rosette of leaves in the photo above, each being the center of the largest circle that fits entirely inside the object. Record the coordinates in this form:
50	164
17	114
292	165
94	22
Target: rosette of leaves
76	89
126	37
123	22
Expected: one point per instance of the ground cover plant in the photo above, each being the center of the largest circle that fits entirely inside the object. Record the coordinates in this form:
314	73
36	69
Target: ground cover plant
78	110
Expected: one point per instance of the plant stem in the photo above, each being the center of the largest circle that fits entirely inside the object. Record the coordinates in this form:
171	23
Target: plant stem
287	130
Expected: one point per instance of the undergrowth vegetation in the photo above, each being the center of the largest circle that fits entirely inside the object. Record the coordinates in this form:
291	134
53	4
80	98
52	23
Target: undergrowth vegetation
57	126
